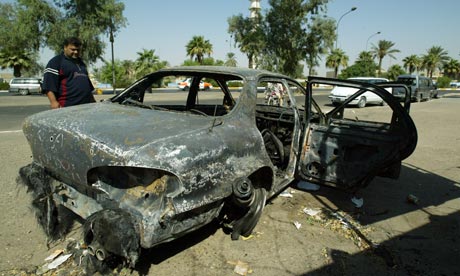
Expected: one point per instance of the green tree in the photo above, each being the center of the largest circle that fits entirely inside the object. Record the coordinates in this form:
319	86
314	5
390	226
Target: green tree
435	58
231	60
198	47
412	63
249	36
384	48
364	66
320	38
89	20
335	59
29	25
104	74
22	34
452	68
291	31
443	82
394	71
16	60
146	62
286	27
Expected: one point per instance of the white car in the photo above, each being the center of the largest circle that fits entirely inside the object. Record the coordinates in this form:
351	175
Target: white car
340	94
25	86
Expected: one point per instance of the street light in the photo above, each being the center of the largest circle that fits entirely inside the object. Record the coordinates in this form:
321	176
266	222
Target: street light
113	59
338	22
372	35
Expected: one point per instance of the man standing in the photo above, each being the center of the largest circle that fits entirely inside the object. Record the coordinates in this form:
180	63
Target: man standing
65	79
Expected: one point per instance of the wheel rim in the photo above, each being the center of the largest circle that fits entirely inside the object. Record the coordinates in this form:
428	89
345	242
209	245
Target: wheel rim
362	102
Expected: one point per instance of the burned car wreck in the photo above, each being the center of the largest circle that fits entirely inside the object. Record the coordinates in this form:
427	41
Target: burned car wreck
142	171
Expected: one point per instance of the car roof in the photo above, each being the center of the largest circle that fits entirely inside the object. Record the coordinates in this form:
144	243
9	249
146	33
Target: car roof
239	71
366	78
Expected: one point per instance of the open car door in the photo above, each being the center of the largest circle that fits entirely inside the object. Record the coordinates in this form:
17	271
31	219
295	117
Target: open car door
347	152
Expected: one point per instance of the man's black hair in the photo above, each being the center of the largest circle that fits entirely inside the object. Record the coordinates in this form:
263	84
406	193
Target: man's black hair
72	41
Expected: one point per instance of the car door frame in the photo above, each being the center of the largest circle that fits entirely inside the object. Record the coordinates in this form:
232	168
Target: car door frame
348	154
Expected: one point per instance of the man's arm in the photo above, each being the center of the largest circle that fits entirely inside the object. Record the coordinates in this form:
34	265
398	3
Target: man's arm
53	101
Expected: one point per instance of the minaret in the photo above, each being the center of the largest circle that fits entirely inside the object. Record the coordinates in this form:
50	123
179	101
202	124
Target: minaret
254	8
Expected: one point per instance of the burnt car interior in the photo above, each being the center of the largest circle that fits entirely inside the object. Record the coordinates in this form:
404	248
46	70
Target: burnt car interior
275	122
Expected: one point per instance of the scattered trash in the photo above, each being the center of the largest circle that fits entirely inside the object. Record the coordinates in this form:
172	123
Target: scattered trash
412	199
54	255
252	236
297	225
241	268
357	201
307	186
286	194
342	220
58	261
311	212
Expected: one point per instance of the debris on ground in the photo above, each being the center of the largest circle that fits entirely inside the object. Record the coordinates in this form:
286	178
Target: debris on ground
312	212
297	225
286	194
341	223
241	268
253	235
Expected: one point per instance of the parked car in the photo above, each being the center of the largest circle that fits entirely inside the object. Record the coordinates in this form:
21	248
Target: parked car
25	86
185	85
421	88
146	172
455	85
340	94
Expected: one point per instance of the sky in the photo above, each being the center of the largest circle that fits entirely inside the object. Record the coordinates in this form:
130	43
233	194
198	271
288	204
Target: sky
167	26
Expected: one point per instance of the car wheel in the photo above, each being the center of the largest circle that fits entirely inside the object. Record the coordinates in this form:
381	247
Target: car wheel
24	92
250	202
362	102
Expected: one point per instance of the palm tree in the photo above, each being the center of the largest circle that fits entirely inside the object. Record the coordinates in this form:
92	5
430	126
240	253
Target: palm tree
436	57
231	60
336	58
412	63
383	49
452	68
198	47
16	60
145	62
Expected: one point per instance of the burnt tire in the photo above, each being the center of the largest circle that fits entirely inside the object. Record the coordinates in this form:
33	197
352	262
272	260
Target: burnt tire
246	224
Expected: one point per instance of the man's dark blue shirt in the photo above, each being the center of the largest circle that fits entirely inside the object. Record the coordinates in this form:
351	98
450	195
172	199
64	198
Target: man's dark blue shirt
68	79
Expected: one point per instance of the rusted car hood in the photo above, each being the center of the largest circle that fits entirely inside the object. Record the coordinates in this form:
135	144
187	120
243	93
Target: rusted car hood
81	137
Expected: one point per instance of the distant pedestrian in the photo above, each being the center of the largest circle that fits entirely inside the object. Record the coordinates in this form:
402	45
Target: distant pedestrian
65	80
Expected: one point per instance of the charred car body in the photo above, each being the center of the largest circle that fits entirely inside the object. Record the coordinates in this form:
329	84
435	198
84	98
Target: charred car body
142	173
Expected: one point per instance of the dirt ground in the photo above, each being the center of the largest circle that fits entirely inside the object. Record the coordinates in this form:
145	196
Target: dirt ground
388	235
